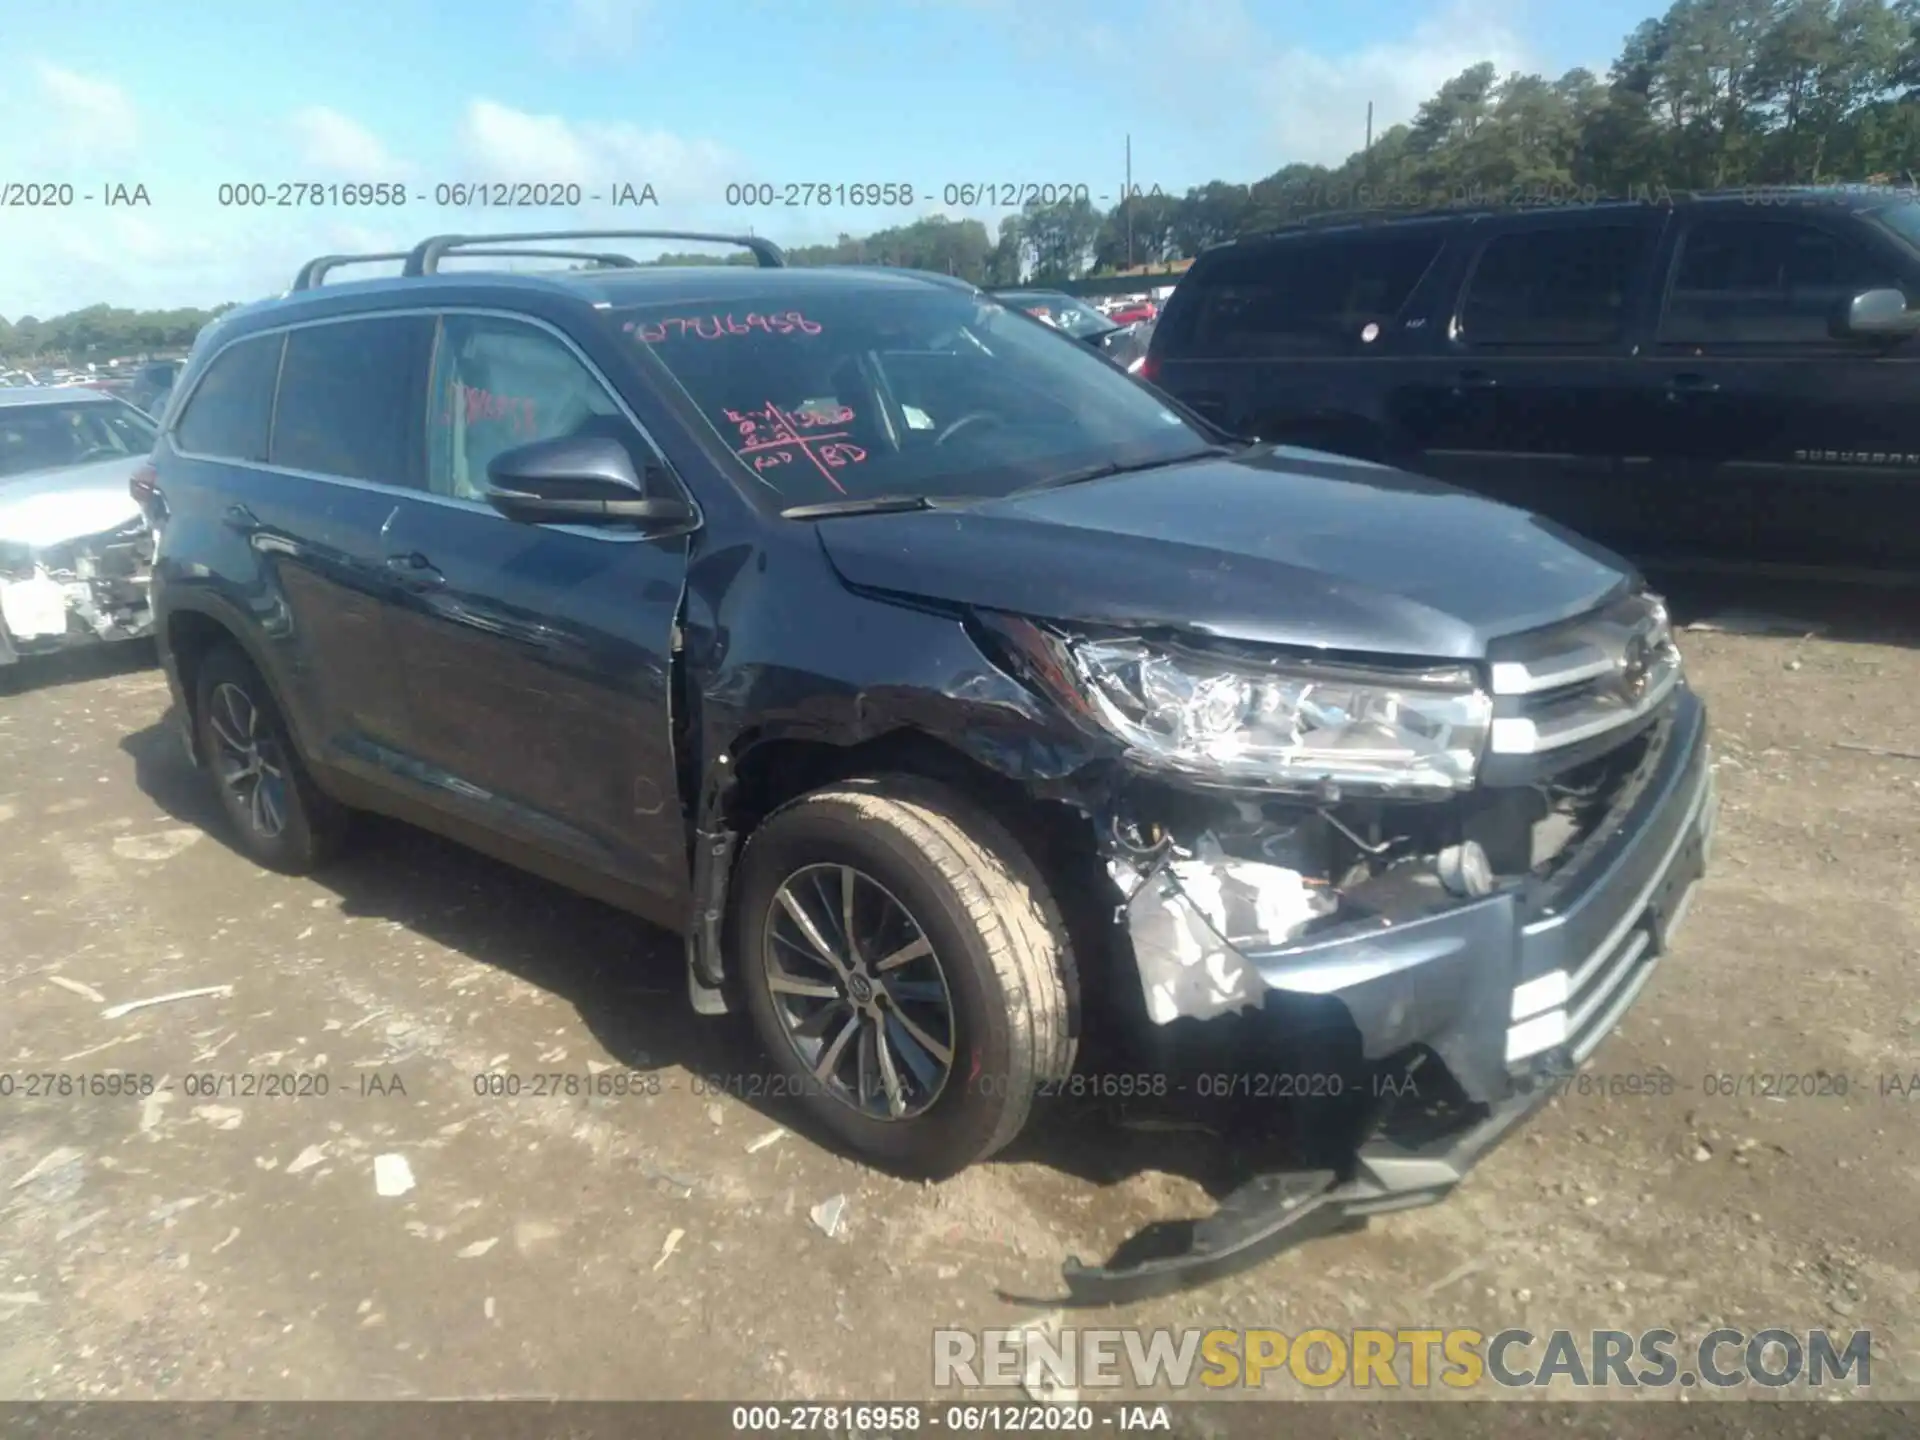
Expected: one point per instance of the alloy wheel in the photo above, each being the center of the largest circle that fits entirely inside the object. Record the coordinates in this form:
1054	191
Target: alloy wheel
860	990
248	762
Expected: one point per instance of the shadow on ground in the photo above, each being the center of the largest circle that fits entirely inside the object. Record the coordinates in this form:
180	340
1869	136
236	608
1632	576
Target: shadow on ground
76	666
627	980
1852	614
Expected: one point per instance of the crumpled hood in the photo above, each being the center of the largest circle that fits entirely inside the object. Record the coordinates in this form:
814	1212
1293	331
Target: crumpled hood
1277	546
49	506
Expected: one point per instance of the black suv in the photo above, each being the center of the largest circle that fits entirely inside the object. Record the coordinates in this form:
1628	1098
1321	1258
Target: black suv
945	687
1725	380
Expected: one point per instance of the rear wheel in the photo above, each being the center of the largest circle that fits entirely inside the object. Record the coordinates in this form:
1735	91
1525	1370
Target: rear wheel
279	818
907	970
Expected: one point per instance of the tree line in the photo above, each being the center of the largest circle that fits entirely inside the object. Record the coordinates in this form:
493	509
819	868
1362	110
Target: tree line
1711	95
1714	94
99	332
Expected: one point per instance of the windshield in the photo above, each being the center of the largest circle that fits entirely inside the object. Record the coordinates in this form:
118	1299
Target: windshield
878	390
1063	312
59	436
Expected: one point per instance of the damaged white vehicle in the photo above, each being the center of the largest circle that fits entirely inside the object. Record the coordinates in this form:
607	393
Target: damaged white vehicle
76	553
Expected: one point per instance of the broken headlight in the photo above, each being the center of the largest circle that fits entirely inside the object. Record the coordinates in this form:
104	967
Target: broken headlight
1291	725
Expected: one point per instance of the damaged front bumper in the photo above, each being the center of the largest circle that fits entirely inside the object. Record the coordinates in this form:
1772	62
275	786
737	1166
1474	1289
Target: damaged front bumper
83	591
1505	992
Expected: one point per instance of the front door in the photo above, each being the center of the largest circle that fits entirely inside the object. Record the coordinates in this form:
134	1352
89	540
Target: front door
538	657
1787	444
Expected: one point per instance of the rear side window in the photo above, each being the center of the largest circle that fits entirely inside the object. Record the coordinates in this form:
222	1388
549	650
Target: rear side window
231	409
1305	296
1563	287
353	399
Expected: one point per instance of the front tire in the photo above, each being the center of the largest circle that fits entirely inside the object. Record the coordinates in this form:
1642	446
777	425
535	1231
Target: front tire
277	815
907	969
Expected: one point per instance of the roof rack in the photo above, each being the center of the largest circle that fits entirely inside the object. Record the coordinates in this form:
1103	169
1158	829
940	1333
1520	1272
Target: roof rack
314	271
427	255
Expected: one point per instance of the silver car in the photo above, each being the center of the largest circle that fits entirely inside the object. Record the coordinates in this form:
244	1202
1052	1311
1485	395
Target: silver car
76	553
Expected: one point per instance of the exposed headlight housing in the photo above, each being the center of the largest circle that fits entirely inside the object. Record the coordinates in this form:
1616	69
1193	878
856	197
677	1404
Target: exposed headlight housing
1294	725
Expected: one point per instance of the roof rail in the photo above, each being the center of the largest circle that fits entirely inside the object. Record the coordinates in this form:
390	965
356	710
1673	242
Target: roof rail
314	271
426	256
1325	219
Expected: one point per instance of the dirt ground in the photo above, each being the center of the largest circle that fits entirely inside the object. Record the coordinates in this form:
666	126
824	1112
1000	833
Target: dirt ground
660	1245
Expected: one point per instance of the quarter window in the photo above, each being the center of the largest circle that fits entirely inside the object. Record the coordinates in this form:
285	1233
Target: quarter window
1305	296
231	409
499	384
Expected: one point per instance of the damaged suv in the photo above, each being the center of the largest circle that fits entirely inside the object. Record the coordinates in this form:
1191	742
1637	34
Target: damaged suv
75	551
940	684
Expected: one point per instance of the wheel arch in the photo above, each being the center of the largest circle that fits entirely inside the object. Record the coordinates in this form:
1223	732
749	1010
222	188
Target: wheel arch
192	632
769	773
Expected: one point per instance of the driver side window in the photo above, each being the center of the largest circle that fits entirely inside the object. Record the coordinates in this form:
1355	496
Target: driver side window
499	384
1744	280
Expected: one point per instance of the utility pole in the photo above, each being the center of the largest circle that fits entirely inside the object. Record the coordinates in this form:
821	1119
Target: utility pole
1126	201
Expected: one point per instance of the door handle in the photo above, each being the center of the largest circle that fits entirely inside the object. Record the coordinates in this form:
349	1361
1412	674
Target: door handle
1468	380
1680	386
415	569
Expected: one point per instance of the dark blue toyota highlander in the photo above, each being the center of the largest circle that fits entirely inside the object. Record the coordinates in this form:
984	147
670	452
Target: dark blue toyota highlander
945	687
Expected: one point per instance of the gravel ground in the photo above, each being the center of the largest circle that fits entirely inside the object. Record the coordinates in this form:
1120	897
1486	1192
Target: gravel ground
663	1244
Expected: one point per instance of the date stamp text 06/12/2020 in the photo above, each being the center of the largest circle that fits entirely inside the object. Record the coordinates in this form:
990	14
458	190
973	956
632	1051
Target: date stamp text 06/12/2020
890	194
377	1080
56	193
445	194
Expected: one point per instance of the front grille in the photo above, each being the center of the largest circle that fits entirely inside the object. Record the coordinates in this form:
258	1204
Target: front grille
1575	681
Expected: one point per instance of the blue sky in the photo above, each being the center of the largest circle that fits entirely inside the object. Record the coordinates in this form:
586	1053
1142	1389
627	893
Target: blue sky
687	95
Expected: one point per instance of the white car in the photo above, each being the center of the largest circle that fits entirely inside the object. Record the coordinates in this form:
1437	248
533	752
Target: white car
76	552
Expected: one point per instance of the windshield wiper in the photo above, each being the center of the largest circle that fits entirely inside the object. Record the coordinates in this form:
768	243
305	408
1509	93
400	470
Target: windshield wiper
858	505
1101	472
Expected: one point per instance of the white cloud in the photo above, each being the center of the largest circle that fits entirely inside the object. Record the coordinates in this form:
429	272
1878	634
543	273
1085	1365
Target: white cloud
1292	102
600	29
59	261
89	118
341	146
1316	105
503	144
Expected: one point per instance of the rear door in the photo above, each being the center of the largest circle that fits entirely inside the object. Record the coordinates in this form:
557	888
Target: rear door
346	446
1538	396
1786	443
538	657
283	523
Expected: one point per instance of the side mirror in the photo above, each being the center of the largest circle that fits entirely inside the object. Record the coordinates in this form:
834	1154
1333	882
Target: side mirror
578	480
1880	313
